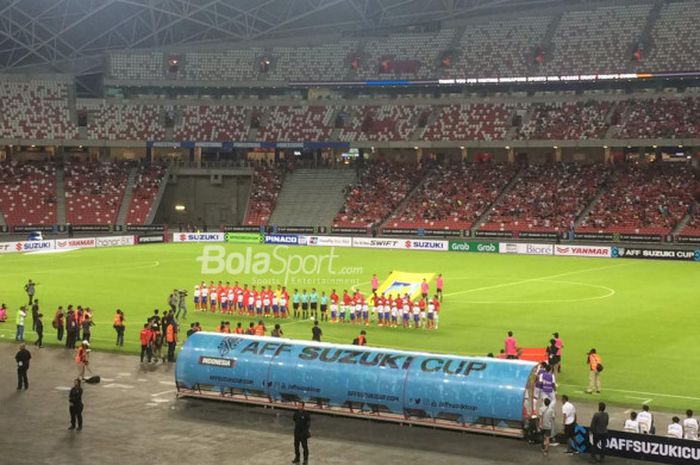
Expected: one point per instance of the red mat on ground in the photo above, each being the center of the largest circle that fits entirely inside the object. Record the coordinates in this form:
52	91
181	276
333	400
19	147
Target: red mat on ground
533	354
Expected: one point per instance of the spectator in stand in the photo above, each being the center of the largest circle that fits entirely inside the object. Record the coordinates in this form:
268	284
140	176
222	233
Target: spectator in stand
675	429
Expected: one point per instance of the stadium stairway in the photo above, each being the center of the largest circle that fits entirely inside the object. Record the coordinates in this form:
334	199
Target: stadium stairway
681	224
589	207
128	190
405	200
159	196
487	212
60	195
2	220
311	197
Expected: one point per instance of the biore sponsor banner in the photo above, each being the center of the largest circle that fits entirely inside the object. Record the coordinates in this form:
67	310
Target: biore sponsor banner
198	237
243	237
474	246
373	243
659	254
78	243
114	241
494	234
329	241
652	448
286	239
151	239
688	239
27	246
419	244
582	251
526	249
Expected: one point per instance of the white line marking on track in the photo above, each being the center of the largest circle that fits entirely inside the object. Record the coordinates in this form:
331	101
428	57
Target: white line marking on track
163	392
529	280
167	383
117	386
124	373
650	394
644	399
62	388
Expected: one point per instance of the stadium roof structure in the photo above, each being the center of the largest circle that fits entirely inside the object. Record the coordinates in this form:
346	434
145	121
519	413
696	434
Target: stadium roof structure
72	36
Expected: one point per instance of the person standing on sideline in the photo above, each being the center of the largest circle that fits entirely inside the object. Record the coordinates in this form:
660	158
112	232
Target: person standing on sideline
276	331
552	355
71	329
30	289
86	325
22	358
119	327
559	345
172	300
599	431
646	421
316	332
675	430
35	313
511	346
58	323
21	315
146	338
375	283
302	424
546	424
39	328
690	426
171	339
75	403
181	305
595	365
82	358
569	412
439	283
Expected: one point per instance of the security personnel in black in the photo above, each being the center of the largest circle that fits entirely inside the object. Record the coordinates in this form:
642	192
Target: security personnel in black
22	358
75	402
302	423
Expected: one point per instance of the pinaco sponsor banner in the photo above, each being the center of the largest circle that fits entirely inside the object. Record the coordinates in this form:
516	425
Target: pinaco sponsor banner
198	237
329	241
473	246
285	239
652	448
582	251
151	239
419	244
521	248
115	241
243	238
656	254
75	243
375	243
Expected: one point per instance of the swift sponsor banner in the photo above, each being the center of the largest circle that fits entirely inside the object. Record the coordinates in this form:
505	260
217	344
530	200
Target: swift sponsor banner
329	241
658	254
526	249
652	448
198	237
474	246
374	243
419	244
77	243
582	251
114	241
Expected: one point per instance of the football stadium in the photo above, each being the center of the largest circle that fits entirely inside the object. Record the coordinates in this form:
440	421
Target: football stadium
333	231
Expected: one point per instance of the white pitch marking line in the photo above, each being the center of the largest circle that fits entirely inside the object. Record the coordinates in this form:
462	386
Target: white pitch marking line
164	392
167	383
651	394
644	399
62	388
118	386
541	278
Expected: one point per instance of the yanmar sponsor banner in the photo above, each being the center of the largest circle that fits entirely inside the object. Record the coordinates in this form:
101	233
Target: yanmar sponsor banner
582	251
374	243
521	248
78	243
286	239
198	237
420	244
114	241
329	241
652	448
656	254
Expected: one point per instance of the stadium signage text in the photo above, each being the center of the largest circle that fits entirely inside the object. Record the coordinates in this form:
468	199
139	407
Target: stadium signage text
425	245
329	241
526	249
282	239
243	238
217	362
151	239
659	254
33	246
82	243
377	243
114	241
198	237
652	448
473	246
581	251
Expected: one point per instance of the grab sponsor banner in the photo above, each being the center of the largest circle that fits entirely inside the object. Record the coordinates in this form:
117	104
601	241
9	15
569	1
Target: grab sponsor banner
474	246
198	237
582	251
521	248
329	241
374	243
76	243
652	448
420	244
114	241
656	254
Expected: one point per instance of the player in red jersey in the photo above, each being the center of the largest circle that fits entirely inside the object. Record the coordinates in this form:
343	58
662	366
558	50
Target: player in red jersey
219	294
334	306
436	305
347	301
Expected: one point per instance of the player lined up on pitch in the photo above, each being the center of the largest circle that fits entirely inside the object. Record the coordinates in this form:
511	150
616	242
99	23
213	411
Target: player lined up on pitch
383	308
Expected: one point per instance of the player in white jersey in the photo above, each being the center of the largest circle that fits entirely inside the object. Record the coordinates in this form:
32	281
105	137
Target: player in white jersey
405	312
203	292
231	300
416	315
196	297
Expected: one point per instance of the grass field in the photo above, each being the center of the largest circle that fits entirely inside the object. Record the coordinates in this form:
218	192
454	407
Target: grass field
642	316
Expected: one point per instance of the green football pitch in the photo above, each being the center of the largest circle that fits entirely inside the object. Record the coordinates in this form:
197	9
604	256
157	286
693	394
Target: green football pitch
641	316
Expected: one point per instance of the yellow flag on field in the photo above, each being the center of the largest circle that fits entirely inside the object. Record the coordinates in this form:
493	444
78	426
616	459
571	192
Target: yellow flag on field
400	283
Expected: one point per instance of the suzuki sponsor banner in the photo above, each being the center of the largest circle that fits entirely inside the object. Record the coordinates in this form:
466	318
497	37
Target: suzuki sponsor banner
374	243
329	241
151	239
420	244
287	239
27	246
538	235
243	237
507	234
640	238
582	251
526	249
658	254
688	239
198	237
115	241
79	243
652	448
349	230
473	246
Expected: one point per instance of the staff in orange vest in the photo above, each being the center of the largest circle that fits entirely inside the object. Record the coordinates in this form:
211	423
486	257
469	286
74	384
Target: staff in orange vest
260	329
171	339
595	365
82	358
